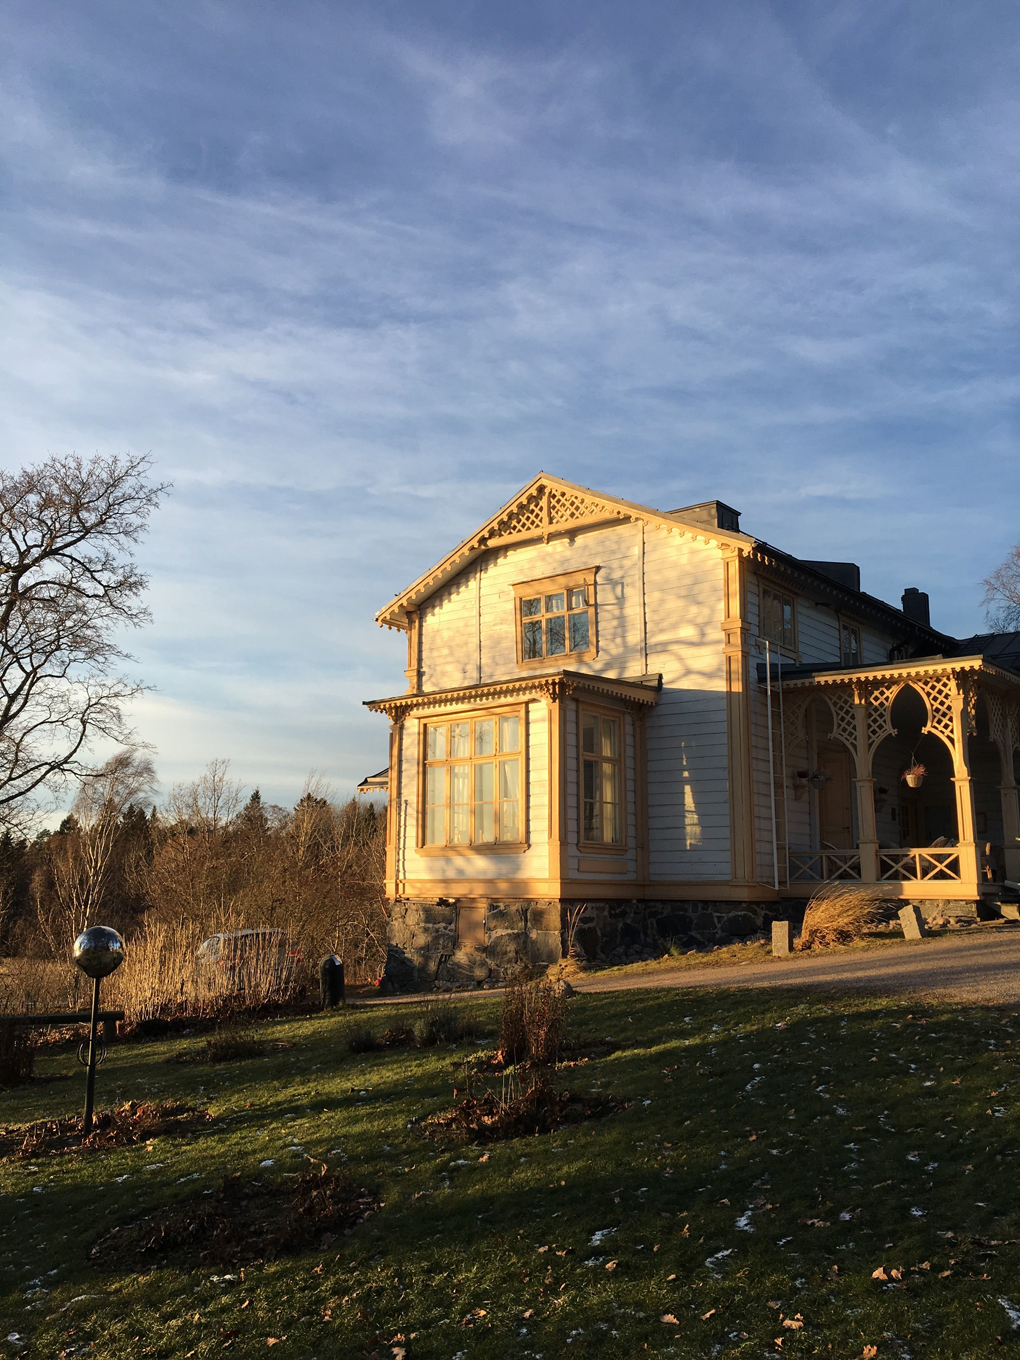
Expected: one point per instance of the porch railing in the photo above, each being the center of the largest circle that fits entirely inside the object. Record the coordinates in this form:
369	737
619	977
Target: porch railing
818	866
894	866
901	866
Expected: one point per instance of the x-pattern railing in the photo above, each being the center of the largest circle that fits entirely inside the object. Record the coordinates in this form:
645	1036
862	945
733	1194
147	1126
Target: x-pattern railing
817	866
918	865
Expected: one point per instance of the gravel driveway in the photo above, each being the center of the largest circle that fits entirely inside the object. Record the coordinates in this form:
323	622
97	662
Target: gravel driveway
981	967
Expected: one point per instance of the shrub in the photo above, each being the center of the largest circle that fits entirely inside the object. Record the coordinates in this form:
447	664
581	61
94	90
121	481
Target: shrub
840	913
233	1041
17	1054
439	1023
532	1024
362	1039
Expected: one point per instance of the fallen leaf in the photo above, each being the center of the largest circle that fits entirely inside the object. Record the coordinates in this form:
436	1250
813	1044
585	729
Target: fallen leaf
670	1277
793	1324
668	1317
529	1314
706	1316
869	1353
611	1265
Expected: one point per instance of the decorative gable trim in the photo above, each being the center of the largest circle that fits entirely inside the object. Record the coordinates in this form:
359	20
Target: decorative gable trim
547	510
545	507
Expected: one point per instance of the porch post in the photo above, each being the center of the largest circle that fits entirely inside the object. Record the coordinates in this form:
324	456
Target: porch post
867	828
970	864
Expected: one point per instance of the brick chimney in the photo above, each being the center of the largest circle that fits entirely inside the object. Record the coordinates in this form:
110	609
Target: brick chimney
915	605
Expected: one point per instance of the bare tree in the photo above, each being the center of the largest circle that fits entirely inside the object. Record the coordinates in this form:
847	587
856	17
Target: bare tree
83	857
82	861
209	804
68	587
1002	594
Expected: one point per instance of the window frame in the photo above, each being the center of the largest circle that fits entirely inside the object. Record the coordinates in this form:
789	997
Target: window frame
791	649
845	622
586	847
551	585
444	719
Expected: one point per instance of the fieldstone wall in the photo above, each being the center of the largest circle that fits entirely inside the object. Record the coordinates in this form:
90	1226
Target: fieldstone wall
423	949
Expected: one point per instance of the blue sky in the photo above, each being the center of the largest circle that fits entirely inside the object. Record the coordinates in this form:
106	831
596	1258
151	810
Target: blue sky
353	273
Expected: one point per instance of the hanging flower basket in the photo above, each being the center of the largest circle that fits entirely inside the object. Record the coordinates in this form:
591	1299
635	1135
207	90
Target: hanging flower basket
819	778
914	775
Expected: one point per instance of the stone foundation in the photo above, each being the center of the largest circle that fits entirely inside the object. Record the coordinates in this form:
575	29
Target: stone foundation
424	951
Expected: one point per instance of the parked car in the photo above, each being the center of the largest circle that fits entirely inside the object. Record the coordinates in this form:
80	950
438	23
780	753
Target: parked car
250	960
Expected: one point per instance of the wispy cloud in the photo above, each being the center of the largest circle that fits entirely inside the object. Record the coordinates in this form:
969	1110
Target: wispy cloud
354	276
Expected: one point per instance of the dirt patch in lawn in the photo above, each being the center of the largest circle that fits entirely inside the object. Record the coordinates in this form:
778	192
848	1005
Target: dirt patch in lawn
489	1119
132	1122
244	1221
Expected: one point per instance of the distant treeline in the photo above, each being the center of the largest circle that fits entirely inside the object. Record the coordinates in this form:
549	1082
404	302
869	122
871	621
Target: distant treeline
204	859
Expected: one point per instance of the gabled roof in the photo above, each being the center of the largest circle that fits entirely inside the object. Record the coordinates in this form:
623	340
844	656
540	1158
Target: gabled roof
547	505
550	505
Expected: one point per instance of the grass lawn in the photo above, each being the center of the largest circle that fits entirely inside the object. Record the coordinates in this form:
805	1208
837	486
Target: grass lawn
777	1150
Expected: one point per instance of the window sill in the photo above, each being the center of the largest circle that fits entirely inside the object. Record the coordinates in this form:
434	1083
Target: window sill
557	662
497	849
596	848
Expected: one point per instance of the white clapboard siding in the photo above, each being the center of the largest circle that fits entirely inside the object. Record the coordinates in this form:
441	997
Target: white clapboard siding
449	634
817	633
688	789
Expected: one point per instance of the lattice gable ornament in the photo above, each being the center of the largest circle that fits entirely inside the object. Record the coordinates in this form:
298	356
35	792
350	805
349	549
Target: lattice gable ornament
546	510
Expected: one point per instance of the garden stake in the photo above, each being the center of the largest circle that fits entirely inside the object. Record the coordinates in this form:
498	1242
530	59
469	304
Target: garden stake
98	952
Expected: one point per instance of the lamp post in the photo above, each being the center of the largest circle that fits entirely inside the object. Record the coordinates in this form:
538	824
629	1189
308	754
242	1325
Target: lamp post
98	952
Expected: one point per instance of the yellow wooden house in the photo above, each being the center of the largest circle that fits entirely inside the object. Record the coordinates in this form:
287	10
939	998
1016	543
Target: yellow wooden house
623	726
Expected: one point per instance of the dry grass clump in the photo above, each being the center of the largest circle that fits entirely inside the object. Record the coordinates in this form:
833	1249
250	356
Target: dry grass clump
532	1024
840	913
28	984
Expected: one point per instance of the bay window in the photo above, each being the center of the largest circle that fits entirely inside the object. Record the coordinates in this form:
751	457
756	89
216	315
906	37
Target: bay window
472	781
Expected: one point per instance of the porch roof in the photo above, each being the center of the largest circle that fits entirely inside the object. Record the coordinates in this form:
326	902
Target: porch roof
639	690
828	674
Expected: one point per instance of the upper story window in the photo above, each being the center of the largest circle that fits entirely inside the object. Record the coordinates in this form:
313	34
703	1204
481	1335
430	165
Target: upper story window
556	617
777	621
850	644
601	779
472	774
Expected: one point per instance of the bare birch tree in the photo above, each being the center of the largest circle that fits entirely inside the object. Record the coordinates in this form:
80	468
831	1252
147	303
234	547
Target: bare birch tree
69	586
1002	594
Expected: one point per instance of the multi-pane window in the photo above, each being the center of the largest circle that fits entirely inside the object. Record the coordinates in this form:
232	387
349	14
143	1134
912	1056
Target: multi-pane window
601	779
778	621
473	781
850	644
556	618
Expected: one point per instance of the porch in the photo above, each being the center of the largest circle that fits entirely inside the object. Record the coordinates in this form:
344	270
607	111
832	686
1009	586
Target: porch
843	741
